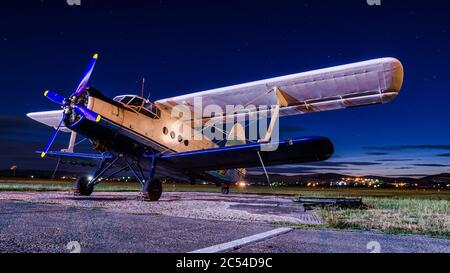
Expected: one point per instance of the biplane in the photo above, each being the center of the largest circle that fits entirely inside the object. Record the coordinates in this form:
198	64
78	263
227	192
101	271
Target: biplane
130	133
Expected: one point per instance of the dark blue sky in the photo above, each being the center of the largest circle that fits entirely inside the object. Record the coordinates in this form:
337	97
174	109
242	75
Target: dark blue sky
187	46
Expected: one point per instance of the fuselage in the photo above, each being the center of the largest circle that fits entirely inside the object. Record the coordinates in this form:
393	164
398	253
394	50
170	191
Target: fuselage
131	125
160	127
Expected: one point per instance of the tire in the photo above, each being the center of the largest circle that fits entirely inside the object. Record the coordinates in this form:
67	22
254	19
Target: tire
225	190
155	190
82	187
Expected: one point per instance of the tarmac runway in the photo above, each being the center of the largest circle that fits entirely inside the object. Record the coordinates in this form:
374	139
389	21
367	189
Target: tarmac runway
115	222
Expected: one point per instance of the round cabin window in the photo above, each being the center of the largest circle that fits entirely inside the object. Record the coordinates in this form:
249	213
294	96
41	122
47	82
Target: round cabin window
180	138
186	143
165	130
172	135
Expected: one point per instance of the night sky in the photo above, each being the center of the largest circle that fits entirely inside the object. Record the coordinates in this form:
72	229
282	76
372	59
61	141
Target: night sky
187	46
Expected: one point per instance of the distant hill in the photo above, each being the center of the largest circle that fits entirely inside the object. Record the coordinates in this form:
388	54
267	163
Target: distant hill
321	177
295	179
393	179
438	180
432	181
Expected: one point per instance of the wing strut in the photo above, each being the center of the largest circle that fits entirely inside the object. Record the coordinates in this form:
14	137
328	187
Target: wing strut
73	138
265	171
282	101
56	169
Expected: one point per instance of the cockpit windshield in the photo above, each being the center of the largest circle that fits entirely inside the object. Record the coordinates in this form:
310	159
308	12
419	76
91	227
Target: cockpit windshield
139	104
123	99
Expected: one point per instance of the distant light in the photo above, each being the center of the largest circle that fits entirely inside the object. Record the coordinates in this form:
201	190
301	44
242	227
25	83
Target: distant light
90	178
242	184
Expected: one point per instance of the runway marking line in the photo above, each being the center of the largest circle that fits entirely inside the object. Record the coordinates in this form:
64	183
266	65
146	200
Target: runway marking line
244	241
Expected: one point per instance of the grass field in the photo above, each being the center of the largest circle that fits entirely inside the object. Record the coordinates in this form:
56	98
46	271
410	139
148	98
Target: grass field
408	211
395	215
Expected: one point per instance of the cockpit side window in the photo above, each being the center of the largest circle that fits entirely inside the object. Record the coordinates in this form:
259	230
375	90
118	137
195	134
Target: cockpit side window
150	106
140	105
137	101
151	110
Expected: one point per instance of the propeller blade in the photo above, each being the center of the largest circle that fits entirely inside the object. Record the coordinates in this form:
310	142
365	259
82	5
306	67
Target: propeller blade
55	97
87	113
52	139
84	81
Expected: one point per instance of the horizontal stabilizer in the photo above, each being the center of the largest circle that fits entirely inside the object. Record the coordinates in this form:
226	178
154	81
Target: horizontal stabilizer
303	150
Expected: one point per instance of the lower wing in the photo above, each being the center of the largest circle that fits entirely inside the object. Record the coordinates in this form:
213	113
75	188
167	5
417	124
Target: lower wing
77	158
296	151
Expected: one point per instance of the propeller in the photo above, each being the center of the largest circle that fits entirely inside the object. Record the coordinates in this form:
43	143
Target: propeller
55	97
84	81
87	113
70	103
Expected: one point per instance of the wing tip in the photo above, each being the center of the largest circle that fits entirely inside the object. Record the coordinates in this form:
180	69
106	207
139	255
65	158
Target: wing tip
395	73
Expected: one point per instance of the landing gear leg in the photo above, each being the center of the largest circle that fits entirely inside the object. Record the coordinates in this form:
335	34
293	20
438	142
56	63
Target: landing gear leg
152	189
85	186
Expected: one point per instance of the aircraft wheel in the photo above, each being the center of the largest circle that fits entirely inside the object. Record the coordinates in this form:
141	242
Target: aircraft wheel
82	187
225	190
155	190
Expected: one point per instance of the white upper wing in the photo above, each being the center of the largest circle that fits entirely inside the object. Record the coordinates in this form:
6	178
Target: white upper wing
364	83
